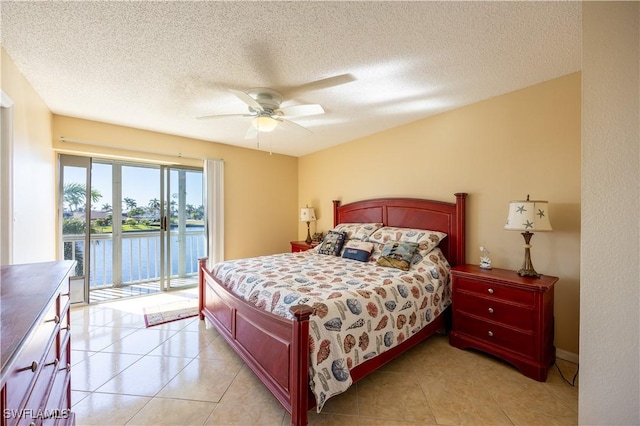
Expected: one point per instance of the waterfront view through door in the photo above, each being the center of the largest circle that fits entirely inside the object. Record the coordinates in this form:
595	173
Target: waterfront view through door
145	228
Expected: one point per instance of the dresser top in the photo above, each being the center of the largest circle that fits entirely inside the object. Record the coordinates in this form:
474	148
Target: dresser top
26	291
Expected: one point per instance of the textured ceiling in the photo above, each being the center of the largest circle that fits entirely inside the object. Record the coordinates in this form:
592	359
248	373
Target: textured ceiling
158	65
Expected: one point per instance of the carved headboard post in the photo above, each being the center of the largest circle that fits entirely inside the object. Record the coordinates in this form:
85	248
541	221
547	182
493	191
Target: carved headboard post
336	204
460	226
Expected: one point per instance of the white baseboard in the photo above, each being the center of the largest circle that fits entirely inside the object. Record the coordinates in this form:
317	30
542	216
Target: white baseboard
567	356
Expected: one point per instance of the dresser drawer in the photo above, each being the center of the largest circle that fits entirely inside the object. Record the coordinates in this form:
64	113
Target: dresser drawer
64	334
496	310
31	360
60	395
45	375
495	334
494	290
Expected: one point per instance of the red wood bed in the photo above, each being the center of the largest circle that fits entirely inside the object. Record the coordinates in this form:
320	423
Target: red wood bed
276	348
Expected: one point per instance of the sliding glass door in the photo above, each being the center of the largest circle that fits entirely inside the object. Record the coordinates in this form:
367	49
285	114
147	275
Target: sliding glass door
73	203
185	235
141	231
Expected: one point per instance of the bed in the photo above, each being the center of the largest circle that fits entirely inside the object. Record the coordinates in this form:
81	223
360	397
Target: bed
284	348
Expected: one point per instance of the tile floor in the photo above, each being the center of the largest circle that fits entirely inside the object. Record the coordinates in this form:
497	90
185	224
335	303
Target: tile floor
182	373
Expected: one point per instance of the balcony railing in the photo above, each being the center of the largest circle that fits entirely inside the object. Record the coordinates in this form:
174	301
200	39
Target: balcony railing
139	257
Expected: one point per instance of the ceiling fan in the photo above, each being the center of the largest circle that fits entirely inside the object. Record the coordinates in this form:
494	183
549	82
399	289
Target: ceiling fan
264	108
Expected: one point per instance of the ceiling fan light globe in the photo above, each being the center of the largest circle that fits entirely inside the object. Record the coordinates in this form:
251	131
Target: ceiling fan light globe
264	124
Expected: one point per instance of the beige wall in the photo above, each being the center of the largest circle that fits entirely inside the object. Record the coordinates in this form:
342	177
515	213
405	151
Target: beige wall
261	199
501	149
33	220
609	292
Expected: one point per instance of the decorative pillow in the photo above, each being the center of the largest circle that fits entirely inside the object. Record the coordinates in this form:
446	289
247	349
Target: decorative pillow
359	231
357	250
375	254
332	243
397	254
426	239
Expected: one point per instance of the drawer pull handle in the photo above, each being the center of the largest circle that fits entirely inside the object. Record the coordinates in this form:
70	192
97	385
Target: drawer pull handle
65	294
55	319
68	367
490	310
490	333
490	291
34	366
54	362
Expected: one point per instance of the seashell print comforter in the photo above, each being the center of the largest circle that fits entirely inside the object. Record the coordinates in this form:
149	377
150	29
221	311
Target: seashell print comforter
360	309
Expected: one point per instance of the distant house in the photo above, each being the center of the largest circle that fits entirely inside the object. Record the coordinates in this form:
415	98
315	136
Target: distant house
95	214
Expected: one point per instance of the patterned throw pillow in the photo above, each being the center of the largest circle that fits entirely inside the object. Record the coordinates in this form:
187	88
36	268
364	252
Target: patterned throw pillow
359	231
357	250
332	243
397	254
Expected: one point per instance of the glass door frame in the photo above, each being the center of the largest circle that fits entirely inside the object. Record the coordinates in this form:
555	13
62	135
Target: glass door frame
166	196
86	163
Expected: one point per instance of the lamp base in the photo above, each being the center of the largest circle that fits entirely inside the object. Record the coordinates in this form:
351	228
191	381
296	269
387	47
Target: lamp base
528	273
527	267
308	240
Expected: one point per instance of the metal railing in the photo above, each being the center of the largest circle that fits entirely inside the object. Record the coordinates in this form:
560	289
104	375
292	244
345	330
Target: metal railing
139	256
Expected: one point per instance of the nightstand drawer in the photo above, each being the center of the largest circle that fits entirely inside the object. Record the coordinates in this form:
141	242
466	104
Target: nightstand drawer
495	310
495	334
497	291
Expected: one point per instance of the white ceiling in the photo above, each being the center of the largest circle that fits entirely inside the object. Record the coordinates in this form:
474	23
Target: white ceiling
158	65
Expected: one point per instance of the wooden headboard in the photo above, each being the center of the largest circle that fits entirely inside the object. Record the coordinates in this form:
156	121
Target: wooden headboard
413	213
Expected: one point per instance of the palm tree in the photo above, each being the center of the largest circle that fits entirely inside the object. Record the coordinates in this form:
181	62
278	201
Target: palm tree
154	206
190	210
74	194
130	203
106	207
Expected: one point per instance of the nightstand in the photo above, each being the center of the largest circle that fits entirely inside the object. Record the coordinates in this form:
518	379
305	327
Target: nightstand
297	246
509	316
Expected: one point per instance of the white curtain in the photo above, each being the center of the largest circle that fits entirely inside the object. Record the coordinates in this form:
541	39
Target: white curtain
214	192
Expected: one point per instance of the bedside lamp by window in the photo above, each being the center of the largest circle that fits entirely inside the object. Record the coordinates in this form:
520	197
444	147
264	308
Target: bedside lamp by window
528	216
307	214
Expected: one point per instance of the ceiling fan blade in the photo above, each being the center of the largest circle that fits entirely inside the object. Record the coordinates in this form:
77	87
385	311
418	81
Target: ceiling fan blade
300	110
247	99
324	83
251	132
211	117
290	123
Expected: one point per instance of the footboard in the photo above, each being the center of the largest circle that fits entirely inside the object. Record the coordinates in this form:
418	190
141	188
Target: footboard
276	349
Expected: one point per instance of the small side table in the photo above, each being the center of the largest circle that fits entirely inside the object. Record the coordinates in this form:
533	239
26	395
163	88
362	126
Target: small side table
297	246
499	312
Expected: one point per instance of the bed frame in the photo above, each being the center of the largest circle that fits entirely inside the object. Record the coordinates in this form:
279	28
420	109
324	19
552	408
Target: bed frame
276	348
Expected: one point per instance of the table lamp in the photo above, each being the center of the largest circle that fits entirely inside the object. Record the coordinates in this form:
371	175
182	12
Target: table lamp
527	216
307	214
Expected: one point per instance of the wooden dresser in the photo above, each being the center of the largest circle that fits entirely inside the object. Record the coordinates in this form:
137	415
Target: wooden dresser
504	314
36	351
